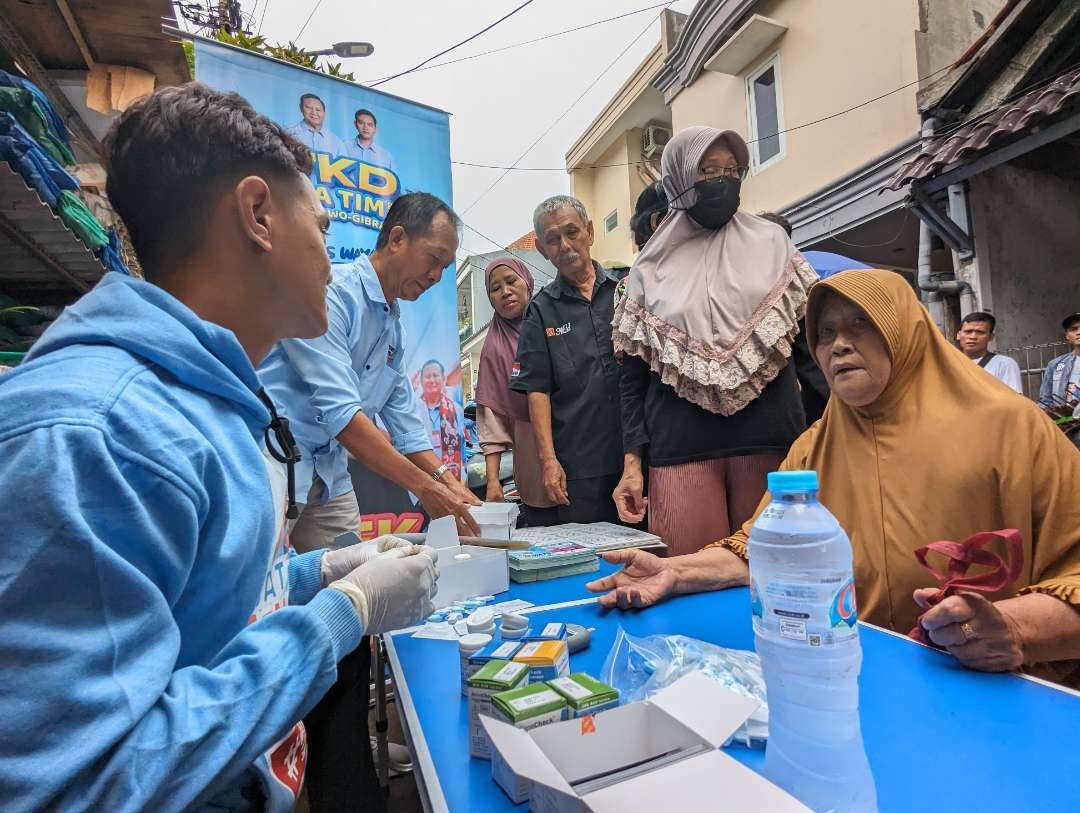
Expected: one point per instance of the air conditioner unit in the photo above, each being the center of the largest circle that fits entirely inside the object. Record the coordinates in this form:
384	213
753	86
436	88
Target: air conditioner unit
654	139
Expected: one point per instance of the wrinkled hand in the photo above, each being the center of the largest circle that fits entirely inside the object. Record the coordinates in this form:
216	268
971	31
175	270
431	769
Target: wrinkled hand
440	500
495	493
644	580
992	643
555	482
389	594
629	499
336	564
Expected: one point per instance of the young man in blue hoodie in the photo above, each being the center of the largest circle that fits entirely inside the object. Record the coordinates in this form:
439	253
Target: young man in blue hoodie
161	644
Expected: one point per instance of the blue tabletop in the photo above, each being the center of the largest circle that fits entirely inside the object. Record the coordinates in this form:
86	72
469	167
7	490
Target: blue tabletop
936	734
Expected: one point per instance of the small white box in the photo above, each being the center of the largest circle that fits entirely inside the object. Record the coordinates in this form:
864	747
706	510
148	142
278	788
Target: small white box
660	754
484	572
497	520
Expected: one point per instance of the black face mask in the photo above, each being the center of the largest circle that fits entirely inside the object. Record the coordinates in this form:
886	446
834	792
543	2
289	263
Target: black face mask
718	200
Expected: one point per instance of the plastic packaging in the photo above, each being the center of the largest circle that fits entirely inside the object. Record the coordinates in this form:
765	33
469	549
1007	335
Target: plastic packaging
640	667
802	598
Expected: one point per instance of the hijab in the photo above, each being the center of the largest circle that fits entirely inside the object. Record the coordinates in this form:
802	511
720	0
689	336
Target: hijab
500	348
945	452
712	311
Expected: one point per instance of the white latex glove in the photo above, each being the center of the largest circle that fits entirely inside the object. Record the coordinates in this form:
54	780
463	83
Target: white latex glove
389	593
339	563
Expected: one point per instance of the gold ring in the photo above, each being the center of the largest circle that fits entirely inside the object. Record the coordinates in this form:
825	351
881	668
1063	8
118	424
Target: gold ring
968	630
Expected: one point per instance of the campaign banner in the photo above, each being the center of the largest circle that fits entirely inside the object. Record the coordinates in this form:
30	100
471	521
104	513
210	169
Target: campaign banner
369	149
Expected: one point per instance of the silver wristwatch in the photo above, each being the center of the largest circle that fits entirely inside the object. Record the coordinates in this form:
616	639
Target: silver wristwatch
437	475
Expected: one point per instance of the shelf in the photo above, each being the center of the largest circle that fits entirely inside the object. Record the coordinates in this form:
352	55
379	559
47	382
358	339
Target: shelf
41	260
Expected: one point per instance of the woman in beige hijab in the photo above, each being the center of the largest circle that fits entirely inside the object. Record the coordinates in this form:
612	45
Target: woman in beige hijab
704	328
916	446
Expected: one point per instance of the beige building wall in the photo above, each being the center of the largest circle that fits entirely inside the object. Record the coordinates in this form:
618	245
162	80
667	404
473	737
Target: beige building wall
866	46
613	185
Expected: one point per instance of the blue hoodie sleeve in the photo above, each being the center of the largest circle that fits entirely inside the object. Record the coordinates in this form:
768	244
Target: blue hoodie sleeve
89	596
305	576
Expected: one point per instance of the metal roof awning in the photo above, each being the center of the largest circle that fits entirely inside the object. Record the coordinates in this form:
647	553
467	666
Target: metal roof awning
40	257
1042	115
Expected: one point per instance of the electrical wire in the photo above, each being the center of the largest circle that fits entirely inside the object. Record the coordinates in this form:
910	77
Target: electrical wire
941	133
263	17
503	248
445	51
750	141
553	35
566	112
308	20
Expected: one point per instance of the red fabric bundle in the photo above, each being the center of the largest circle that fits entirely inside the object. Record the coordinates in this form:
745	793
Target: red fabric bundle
961	556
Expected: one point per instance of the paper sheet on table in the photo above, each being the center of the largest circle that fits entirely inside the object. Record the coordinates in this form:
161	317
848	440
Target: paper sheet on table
441	631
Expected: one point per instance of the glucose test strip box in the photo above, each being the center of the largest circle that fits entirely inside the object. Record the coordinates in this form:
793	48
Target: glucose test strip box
547	660
585	694
555	631
495	651
529	707
492	678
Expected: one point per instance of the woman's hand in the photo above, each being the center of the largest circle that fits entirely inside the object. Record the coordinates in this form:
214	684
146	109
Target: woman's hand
974	630
643	581
628	496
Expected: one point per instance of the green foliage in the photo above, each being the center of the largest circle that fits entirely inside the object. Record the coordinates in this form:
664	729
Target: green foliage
241	39
291	52
287	52
334	69
189	55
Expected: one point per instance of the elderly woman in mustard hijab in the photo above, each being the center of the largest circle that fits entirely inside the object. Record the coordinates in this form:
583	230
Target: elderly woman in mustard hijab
915	447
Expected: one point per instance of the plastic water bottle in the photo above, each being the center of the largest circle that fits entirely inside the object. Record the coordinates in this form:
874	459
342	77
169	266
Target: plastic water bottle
802	595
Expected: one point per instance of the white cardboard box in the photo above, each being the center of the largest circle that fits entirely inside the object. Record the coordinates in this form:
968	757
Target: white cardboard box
484	573
497	520
660	754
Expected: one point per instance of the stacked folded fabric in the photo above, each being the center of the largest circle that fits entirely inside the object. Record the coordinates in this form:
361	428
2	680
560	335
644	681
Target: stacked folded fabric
34	142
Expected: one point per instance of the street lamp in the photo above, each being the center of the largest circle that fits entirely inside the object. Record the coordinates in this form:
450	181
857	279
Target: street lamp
347	50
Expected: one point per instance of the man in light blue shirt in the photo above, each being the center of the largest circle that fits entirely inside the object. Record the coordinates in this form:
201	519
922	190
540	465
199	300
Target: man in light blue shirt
310	132
1062	376
332	388
364	148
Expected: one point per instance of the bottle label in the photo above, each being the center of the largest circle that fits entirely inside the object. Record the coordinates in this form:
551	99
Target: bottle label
817	613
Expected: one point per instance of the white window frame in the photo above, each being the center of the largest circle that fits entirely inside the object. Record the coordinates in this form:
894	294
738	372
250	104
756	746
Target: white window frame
756	166
614	213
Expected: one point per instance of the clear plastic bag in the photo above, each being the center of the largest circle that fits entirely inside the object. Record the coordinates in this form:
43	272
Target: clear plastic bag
640	667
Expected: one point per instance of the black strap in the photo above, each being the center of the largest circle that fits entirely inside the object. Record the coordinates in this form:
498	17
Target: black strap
986	359
289	453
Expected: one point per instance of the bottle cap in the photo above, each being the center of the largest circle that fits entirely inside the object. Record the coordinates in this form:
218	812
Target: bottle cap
473	641
792	482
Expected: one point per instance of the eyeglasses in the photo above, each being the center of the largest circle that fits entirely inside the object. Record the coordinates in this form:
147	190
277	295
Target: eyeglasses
733	173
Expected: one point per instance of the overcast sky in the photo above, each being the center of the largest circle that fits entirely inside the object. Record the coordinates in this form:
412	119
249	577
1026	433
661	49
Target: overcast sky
499	103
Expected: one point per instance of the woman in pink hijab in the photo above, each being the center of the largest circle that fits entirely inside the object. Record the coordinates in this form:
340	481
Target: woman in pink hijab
502	415
704	325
